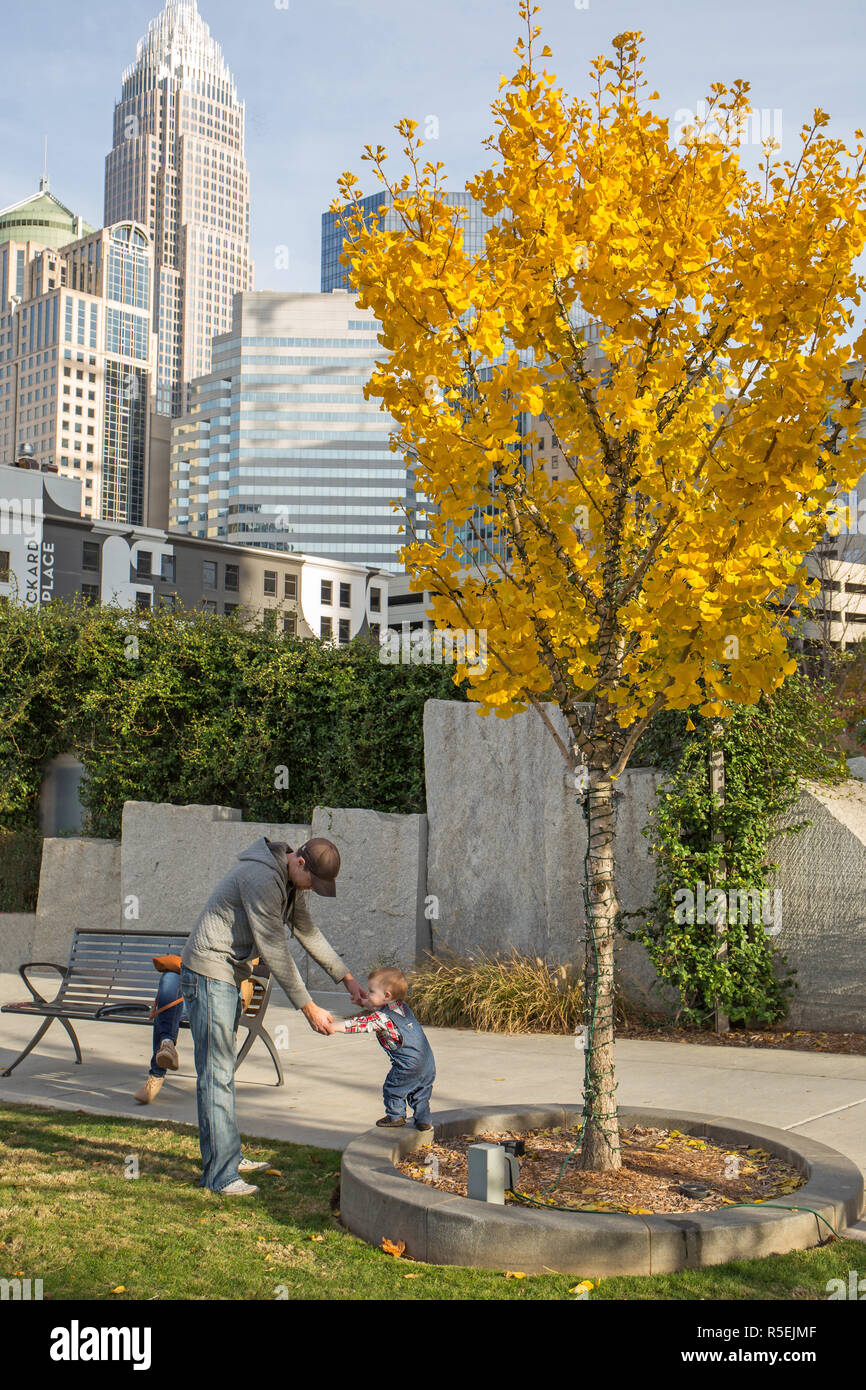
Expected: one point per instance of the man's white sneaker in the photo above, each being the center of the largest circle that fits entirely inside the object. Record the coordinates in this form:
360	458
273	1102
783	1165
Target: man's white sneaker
166	1055
238	1188
149	1091
247	1165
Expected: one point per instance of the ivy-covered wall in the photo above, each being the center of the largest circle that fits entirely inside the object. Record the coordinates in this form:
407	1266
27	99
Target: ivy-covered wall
191	707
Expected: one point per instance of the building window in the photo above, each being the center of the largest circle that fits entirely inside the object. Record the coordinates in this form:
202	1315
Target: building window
375	600
289	625
90	593
345	596
269	620
233	578
167	568
168	601
90	555
326	629
4	566
375	632
142	599
229	608
208	605
209	575
344	631
270	583
327	592
290	586
143	564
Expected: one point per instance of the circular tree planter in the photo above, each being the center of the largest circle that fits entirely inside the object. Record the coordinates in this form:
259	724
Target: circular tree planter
377	1202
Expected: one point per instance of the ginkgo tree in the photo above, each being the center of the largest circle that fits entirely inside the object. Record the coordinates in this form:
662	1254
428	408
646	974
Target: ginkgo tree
702	441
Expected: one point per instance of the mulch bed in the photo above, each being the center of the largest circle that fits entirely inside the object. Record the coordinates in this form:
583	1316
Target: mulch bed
800	1041
655	1162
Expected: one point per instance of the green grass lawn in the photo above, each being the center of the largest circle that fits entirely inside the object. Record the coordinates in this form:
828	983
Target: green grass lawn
70	1216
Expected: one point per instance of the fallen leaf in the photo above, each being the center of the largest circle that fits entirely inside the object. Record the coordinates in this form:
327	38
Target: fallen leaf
514	1274
499	1078
273	1173
317	1237
412	1276
394	1248
121	1288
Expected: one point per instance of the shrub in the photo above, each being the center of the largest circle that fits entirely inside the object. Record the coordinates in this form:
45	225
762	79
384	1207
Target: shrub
511	993
182	707
20	860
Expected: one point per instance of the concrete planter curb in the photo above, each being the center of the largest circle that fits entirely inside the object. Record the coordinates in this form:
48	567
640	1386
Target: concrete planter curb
438	1228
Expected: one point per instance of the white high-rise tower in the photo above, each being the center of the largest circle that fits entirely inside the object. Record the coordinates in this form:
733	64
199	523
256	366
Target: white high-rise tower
177	166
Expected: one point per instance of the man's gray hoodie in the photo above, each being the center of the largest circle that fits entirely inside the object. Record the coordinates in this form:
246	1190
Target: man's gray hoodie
245	917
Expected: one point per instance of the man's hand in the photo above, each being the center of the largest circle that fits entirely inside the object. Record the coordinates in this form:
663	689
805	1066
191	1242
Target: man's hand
357	993
319	1019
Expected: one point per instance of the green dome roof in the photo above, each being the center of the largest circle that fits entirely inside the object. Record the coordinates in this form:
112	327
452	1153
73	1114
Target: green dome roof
42	218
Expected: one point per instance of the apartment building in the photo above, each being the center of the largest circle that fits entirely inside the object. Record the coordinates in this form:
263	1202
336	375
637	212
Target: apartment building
49	551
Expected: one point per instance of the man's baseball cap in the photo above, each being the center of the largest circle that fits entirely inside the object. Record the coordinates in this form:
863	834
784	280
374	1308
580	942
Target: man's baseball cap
322	859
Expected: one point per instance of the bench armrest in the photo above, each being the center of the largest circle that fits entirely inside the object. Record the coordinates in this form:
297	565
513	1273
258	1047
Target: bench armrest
42	965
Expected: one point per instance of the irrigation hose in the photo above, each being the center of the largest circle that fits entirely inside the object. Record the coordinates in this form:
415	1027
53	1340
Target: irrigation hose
779	1206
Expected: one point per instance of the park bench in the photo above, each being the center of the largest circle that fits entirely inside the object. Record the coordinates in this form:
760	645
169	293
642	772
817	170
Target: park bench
111	978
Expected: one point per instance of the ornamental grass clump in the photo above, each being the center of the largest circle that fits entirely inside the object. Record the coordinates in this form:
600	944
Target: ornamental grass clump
510	993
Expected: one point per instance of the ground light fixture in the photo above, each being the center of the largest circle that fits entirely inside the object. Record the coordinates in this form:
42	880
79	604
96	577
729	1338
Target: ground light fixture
494	1169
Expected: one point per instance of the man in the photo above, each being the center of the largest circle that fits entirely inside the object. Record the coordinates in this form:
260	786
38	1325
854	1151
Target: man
246	916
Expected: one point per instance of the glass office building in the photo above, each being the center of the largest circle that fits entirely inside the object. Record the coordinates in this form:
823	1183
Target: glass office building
77	355
177	167
335	276
279	448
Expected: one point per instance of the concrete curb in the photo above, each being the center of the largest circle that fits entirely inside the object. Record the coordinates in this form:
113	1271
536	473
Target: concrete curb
378	1202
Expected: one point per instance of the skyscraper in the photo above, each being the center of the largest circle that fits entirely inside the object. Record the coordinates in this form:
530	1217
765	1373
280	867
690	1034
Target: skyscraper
336	276
76	359
280	448
177	166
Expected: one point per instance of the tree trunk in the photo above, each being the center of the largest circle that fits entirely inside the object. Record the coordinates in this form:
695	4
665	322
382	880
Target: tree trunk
721	1022
600	1148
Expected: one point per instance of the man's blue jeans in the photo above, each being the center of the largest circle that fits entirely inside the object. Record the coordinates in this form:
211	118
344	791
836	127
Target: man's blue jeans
214	1009
167	1023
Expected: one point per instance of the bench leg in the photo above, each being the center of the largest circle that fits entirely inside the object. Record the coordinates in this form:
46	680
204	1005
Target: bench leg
71	1031
38	1037
268	1041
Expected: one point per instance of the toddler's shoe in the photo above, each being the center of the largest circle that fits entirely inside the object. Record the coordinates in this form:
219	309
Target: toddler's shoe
388	1122
166	1055
247	1165
238	1188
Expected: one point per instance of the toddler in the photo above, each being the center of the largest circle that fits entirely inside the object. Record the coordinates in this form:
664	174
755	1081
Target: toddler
413	1069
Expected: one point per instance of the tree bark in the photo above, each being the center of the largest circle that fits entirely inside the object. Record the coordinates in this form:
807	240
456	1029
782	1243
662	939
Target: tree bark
721	1022
600	1147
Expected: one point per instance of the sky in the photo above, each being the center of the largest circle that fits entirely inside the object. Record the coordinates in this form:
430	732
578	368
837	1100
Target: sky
323	78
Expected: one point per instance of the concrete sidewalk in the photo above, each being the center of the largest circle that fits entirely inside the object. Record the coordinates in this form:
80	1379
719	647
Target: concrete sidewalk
333	1085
